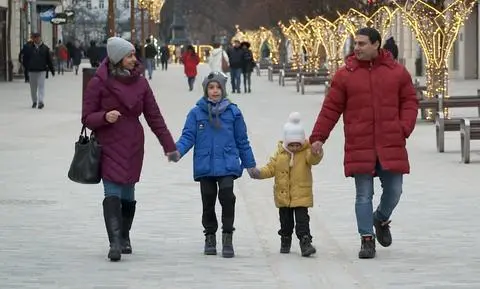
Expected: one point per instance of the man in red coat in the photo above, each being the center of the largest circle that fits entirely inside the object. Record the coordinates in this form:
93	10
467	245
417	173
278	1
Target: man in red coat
376	96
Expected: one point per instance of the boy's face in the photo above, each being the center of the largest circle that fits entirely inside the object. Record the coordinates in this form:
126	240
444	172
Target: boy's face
294	147
214	91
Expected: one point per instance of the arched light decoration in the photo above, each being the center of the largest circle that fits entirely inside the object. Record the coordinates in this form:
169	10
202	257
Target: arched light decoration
381	20
436	32
333	36
295	41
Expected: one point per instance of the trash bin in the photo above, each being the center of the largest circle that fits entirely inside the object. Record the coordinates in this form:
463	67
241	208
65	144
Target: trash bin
87	74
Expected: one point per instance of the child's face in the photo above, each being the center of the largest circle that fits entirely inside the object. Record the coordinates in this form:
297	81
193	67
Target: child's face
214	91
294	147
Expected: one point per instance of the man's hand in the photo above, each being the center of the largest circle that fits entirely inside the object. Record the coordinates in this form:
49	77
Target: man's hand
112	116
254	173
317	147
173	156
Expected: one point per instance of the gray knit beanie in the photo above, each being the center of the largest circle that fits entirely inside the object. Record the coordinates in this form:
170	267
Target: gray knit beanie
118	48
218	77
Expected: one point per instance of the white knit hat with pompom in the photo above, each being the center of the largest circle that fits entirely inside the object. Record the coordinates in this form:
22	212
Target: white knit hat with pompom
293	131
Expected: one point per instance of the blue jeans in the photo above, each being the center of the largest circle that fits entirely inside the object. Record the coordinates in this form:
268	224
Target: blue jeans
123	192
235	74
392	190
149	65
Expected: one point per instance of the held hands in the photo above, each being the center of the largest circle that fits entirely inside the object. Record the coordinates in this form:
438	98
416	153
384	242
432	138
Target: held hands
173	156
254	173
317	147
112	116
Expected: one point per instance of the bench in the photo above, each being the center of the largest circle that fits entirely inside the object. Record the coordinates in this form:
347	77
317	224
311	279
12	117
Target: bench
320	73
312	80
469	130
287	73
443	124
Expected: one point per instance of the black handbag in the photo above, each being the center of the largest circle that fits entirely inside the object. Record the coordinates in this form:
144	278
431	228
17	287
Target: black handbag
85	166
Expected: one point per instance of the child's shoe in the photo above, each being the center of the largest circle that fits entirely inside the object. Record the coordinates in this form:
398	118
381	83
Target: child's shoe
306	246
210	245
367	249
227	250
286	244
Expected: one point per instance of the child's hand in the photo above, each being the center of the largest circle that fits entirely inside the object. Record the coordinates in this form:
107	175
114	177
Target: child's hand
254	173
173	156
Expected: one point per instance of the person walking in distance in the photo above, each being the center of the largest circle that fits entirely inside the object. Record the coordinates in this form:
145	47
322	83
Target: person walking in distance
164	56
248	64
291	166
216	129
40	60
190	61
235	57
377	98
217	56
150	54
112	103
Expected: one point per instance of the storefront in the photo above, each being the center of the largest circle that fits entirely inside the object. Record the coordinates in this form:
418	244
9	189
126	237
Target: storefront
3	44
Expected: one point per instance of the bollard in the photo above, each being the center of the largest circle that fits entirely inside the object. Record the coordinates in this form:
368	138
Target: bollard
87	74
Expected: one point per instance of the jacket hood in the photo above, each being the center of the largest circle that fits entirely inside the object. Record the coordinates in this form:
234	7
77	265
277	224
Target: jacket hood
216	51
103	74
384	58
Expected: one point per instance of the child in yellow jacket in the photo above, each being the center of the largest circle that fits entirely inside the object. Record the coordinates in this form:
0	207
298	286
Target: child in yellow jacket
291	166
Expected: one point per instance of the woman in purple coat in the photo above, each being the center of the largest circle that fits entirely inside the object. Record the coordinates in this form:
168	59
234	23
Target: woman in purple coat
113	101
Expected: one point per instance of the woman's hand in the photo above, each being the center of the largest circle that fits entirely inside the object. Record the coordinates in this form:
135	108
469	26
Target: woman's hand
112	116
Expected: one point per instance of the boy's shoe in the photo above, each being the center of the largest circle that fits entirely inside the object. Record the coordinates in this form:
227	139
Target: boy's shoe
306	246
367	249
34	105
382	232
40	105
285	244
210	245
227	250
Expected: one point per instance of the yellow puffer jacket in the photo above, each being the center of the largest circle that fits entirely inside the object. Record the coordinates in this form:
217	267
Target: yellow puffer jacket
293	185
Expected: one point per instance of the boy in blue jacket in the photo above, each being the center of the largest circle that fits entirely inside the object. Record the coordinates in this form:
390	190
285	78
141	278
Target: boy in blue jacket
216	129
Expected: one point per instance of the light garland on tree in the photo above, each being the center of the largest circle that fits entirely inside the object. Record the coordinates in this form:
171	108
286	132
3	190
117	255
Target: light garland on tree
381	20
436	31
333	36
267	36
295	41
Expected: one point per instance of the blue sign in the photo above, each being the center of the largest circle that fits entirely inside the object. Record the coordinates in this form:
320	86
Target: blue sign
47	15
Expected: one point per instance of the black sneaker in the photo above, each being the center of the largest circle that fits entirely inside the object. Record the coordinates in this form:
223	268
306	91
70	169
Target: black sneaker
34	105
382	231
367	249
40	105
210	245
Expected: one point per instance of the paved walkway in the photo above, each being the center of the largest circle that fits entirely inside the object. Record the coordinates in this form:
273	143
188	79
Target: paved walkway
52	234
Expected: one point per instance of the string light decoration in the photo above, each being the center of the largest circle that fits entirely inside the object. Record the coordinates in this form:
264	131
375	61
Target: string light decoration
295	41
380	19
436	31
333	36
267	36
154	9
310	42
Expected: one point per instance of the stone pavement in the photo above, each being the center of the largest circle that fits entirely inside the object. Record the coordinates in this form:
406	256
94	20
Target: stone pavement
52	234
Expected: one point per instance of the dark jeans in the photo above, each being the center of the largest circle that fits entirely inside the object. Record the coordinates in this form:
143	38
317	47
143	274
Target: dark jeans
235	75
392	190
287	222
210	187
164	65
247	80
191	81
25	74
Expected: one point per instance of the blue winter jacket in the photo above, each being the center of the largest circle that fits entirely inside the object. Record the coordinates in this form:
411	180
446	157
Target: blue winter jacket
219	136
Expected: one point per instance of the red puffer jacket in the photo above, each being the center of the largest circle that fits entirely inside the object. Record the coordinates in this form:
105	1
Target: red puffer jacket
379	106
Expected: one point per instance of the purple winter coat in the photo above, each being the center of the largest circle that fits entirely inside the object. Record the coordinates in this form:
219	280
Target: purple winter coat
123	141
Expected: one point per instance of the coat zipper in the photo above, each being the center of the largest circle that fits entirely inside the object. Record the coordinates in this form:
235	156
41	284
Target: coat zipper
374	112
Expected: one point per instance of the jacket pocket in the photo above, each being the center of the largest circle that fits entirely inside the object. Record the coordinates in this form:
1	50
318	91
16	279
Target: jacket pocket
232	161
201	161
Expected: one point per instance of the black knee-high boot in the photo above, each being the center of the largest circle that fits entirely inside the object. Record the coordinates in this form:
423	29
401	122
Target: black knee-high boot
112	213
128	212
